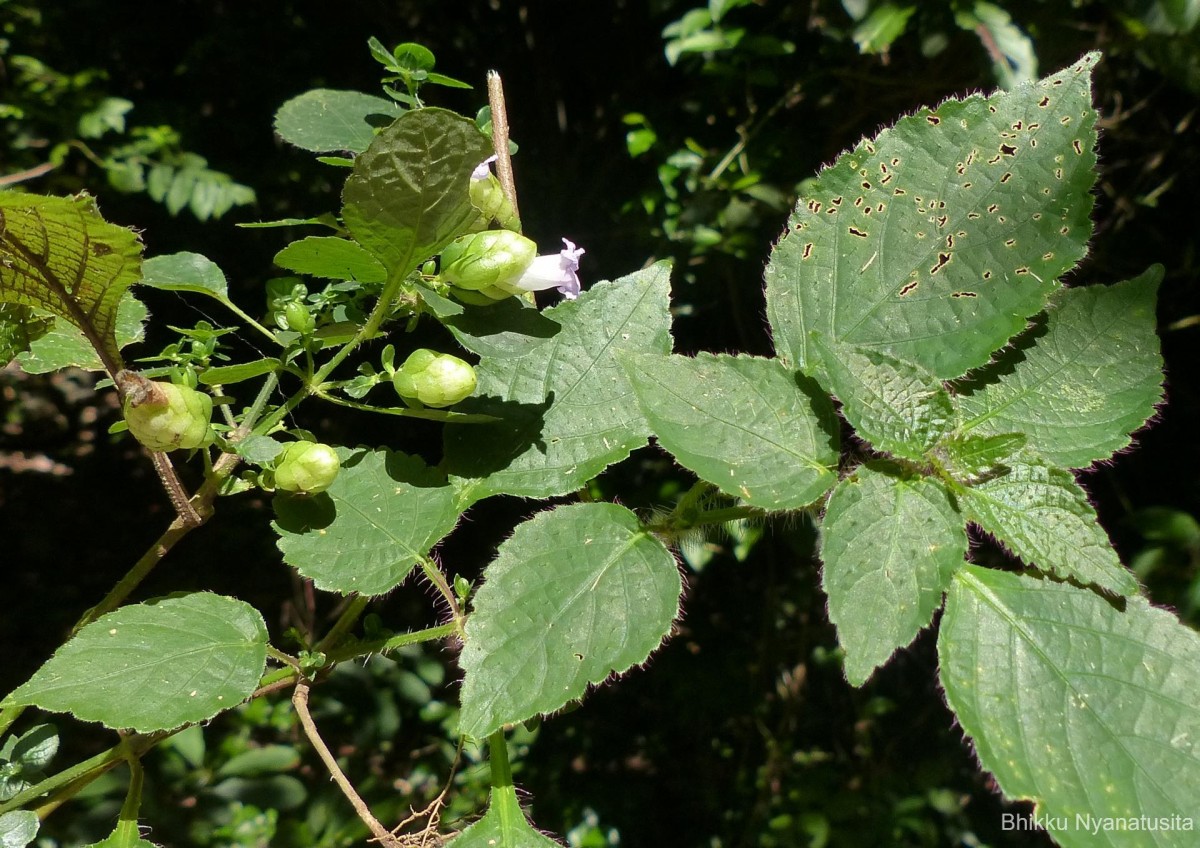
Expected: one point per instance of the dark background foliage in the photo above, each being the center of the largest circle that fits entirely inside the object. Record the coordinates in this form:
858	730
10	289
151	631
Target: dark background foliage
742	730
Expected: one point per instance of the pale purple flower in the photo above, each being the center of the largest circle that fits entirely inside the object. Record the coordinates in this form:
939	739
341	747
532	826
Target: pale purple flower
483	169
553	270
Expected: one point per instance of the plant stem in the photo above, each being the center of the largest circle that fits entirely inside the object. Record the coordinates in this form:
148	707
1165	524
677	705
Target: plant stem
434	575
346	620
300	702
504	169
498	757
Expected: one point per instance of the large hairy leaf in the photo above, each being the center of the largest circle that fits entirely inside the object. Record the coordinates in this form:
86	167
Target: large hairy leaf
934	241
567	408
1090	711
1091	378
890	546
753	428
154	666
573	596
57	255
365	534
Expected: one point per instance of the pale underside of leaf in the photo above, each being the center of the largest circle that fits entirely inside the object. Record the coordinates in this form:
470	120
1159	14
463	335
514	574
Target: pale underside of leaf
1086	709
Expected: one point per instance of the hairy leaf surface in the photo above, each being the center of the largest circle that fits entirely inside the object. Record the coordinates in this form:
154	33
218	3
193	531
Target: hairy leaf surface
57	255
568	409
407	197
934	241
155	665
365	533
65	346
1078	706
503	826
755	429
326	120
331	257
1091	378
1039	513
573	596
890	547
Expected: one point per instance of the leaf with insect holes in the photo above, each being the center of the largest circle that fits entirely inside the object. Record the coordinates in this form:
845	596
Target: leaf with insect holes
934	241
57	255
1086	709
573	596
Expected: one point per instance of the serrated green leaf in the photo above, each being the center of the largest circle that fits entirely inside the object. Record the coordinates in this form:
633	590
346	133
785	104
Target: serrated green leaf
224	375
968	459
934	241
65	346
750	426
567	408
331	257
20	327
124	835
1042	515
155	665
890	547
545	625
325	120
1089	380
503	826
18	828
1083	708
57	255
407	197
896	406
258	450
365	533
189	272
36	747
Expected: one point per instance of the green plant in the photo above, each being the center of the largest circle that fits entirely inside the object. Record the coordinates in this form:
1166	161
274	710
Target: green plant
903	286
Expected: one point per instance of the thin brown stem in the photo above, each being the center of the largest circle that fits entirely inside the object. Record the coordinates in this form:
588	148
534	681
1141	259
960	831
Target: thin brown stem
300	702
30	174
504	168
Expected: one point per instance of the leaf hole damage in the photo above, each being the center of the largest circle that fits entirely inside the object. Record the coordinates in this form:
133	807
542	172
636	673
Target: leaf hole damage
942	260
967	185
814	206
1017	125
941	221
1058	173
950	242
895	163
933	119
963	294
837	201
973	216
1007	176
1022	271
858	201
987	275
1044	102
1012	242
1063	231
1047	256
866	185
899	192
993	209
855	231
1008	150
1037	216
807	251
1065	120
1078	147
908	288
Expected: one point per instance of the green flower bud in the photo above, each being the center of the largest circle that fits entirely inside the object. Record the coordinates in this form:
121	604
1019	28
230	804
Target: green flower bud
164	416
306	467
487	259
435	379
488	197
299	318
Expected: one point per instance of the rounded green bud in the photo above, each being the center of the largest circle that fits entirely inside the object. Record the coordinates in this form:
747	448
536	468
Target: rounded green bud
306	467
164	416
489	198
435	379
299	318
484	260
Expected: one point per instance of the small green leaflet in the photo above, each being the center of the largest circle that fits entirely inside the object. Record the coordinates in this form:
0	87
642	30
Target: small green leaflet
325	120
155	665
365	534
753	428
575	595
18	828
190	272
896	406
331	257
934	241
1092	377
1039	513
890	546
65	345
970	459
1083	708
